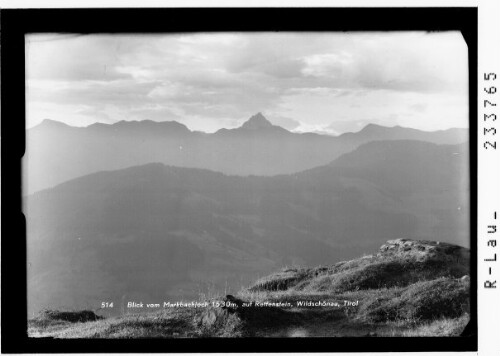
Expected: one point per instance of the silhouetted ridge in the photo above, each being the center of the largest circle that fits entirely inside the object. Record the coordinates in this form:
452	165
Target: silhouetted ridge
48	123
374	128
143	124
265	149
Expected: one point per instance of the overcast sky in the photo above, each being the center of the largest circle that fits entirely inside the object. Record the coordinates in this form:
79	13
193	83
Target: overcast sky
333	82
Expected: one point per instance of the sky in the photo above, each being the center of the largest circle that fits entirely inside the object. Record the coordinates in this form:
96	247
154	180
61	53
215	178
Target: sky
318	82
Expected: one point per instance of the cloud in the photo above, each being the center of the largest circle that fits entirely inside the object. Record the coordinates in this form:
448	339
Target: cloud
330	65
399	62
216	79
321	129
72	58
340	127
283	121
419	107
125	92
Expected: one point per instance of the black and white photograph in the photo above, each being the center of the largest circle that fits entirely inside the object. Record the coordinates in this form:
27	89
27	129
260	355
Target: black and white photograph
247	185
261	179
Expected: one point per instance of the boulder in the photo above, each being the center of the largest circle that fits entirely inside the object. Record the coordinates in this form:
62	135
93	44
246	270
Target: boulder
423	250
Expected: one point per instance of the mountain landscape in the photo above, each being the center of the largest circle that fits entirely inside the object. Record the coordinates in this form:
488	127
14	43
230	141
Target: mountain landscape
56	152
160	203
156	231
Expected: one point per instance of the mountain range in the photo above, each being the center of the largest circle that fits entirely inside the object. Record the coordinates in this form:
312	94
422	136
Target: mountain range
56	152
167	231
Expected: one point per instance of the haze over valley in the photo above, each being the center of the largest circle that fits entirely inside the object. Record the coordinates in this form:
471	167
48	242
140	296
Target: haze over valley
158	230
58	152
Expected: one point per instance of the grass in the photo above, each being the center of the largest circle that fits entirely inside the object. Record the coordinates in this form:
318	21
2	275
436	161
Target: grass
409	289
55	319
423	309
369	272
425	300
162	324
436	328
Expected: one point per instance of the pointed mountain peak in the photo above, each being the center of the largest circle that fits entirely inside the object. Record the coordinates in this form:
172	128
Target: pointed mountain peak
257	121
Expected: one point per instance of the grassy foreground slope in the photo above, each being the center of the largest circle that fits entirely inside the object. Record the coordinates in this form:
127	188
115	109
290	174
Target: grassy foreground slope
408	288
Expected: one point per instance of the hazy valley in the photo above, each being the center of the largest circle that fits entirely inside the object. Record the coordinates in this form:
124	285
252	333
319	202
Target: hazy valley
56	152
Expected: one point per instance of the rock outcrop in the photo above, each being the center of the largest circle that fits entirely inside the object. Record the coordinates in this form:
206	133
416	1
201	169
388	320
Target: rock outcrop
423	250
399	263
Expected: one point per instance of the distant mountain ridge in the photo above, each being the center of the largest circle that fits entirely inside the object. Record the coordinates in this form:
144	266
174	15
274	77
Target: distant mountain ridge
259	122
56	152
374	131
